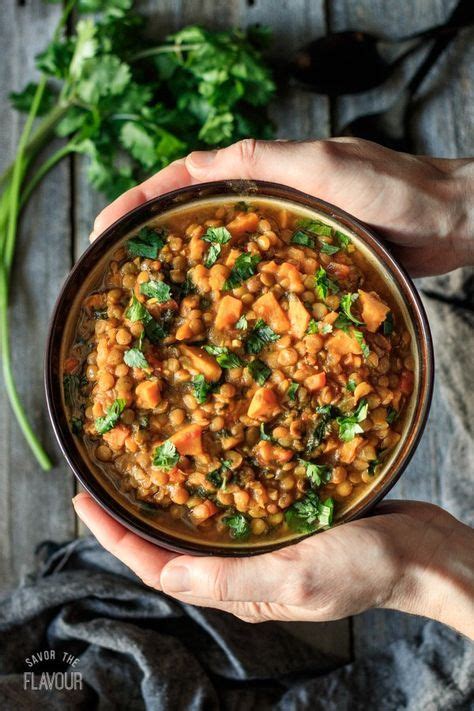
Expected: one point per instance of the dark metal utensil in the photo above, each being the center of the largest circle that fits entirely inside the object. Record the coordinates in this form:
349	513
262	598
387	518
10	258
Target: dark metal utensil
391	127
351	62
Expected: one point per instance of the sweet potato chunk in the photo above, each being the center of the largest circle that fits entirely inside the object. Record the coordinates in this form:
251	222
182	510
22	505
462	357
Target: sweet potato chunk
116	437
374	311
299	316
147	394
348	450
202	362
188	440
268	308
245	222
292	273
342	343
264	404
228	312
315	382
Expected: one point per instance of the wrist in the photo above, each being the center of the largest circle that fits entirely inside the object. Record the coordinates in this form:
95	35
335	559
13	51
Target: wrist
460	205
440	585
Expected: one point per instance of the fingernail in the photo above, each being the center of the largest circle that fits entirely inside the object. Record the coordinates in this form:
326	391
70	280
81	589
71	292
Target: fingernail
176	578
201	159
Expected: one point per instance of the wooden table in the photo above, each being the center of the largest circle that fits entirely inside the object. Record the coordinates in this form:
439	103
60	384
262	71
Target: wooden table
35	506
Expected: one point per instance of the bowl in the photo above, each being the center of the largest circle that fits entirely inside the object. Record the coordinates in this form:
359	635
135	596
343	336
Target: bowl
86	273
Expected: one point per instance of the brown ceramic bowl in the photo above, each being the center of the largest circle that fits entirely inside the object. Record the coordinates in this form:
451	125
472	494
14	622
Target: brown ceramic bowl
87	273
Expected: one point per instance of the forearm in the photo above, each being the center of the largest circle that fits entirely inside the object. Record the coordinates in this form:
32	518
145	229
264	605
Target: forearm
461	180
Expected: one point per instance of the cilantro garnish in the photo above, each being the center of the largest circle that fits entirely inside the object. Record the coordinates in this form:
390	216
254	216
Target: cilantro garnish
100	314
242	323
201	388
346	304
326	414
166	456
392	415
292	390
300	237
343	240
220	477
351	385
259	371
312	327
137	312
111	417
324	284
263	435
316	473
318	228
134	358
225	357
260	336
217	236
327	248
359	336
244	268
388	324
238	525
373	464
147	244
349	424
306	515
156	290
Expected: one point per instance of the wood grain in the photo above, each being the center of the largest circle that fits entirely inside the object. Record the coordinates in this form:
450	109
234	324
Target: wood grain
34	506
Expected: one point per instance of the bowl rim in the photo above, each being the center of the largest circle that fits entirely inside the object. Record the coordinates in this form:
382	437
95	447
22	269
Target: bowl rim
185	197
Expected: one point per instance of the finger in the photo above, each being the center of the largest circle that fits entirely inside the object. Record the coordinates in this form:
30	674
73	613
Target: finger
282	576
145	559
170	178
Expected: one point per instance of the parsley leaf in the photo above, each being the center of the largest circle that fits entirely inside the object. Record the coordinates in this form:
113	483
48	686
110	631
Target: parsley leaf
327	248
217	236
202	389
388	324
317	473
111	417
242	323
260	336
292	390
312	327
343	239
156	290
349	425
300	237
373	464
326	414
263	435
238	525
220	477
147	244
324	284
134	358
259	371
166	456
318	228
305	515
136	311
225	357
359	336
244	268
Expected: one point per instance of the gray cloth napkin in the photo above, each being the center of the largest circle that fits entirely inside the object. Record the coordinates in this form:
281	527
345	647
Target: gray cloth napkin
139	649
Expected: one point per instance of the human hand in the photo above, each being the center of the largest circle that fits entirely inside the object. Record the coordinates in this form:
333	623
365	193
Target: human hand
410	556
419	204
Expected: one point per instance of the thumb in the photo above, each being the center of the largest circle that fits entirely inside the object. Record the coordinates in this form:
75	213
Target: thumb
322	168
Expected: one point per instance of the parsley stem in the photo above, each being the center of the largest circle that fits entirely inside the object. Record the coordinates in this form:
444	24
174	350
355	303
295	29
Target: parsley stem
44	169
152	51
35	446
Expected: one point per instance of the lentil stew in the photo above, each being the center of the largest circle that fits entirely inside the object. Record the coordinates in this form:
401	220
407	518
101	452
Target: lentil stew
242	372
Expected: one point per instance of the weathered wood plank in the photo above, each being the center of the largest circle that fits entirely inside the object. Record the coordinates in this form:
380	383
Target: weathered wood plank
33	505
441	127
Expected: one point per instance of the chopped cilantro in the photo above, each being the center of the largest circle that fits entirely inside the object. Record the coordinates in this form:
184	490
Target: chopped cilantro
166	456
343	239
359	336
260	336
202	389
259	371
312	327
316	473
324	284
373	464
134	358
220	477
292	390
217	236
147	243
327	248
392	415
137	312
100	314
238	525
307	514
349	424
346	304
316	227
388	324
225	357
242	323
326	328
156	290
244	268
300	237
111	417
351	385
326	414
263	435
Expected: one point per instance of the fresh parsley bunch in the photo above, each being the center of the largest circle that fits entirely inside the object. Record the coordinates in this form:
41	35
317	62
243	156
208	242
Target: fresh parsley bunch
131	106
